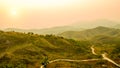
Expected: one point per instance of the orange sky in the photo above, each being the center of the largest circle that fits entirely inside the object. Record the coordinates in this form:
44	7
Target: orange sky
30	14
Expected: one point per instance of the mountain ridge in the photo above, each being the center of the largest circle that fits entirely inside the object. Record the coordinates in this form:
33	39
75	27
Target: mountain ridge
74	27
89	33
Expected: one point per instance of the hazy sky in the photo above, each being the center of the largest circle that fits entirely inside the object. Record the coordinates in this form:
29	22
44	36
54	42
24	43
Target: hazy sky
48	13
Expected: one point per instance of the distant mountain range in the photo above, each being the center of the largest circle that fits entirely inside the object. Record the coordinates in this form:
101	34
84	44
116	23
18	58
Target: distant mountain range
54	30
96	23
90	33
117	26
74	27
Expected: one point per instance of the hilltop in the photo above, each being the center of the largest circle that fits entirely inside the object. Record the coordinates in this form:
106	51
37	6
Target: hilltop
90	33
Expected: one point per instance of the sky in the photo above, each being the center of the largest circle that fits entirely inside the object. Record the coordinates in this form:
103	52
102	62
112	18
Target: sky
37	14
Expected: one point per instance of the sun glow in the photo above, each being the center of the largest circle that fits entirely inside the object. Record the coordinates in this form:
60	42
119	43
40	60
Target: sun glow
13	12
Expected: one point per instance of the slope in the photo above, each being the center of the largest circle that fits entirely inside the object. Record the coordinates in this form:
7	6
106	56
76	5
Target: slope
28	50
90	33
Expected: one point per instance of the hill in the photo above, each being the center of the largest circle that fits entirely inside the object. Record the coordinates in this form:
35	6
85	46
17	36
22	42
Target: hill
74	27
117	26
95	23
90	33
53	30
29	50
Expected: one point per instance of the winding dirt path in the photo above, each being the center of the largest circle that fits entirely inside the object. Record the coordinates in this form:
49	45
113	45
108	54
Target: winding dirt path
108	59
105	57
93	52
69	60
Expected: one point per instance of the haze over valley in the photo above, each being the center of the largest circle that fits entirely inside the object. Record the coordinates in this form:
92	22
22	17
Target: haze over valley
59	34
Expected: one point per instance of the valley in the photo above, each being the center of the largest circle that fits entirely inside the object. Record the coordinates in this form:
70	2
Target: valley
59	33
29	50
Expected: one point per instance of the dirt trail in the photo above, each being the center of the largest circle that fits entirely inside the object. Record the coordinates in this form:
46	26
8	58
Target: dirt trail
105	57
108	59
69	60
93	52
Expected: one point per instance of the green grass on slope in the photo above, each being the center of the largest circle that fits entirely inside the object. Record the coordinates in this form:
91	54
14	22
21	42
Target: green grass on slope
20	50
29	50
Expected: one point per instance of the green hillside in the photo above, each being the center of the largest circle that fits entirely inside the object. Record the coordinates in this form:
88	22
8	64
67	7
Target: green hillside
28	50
90	33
